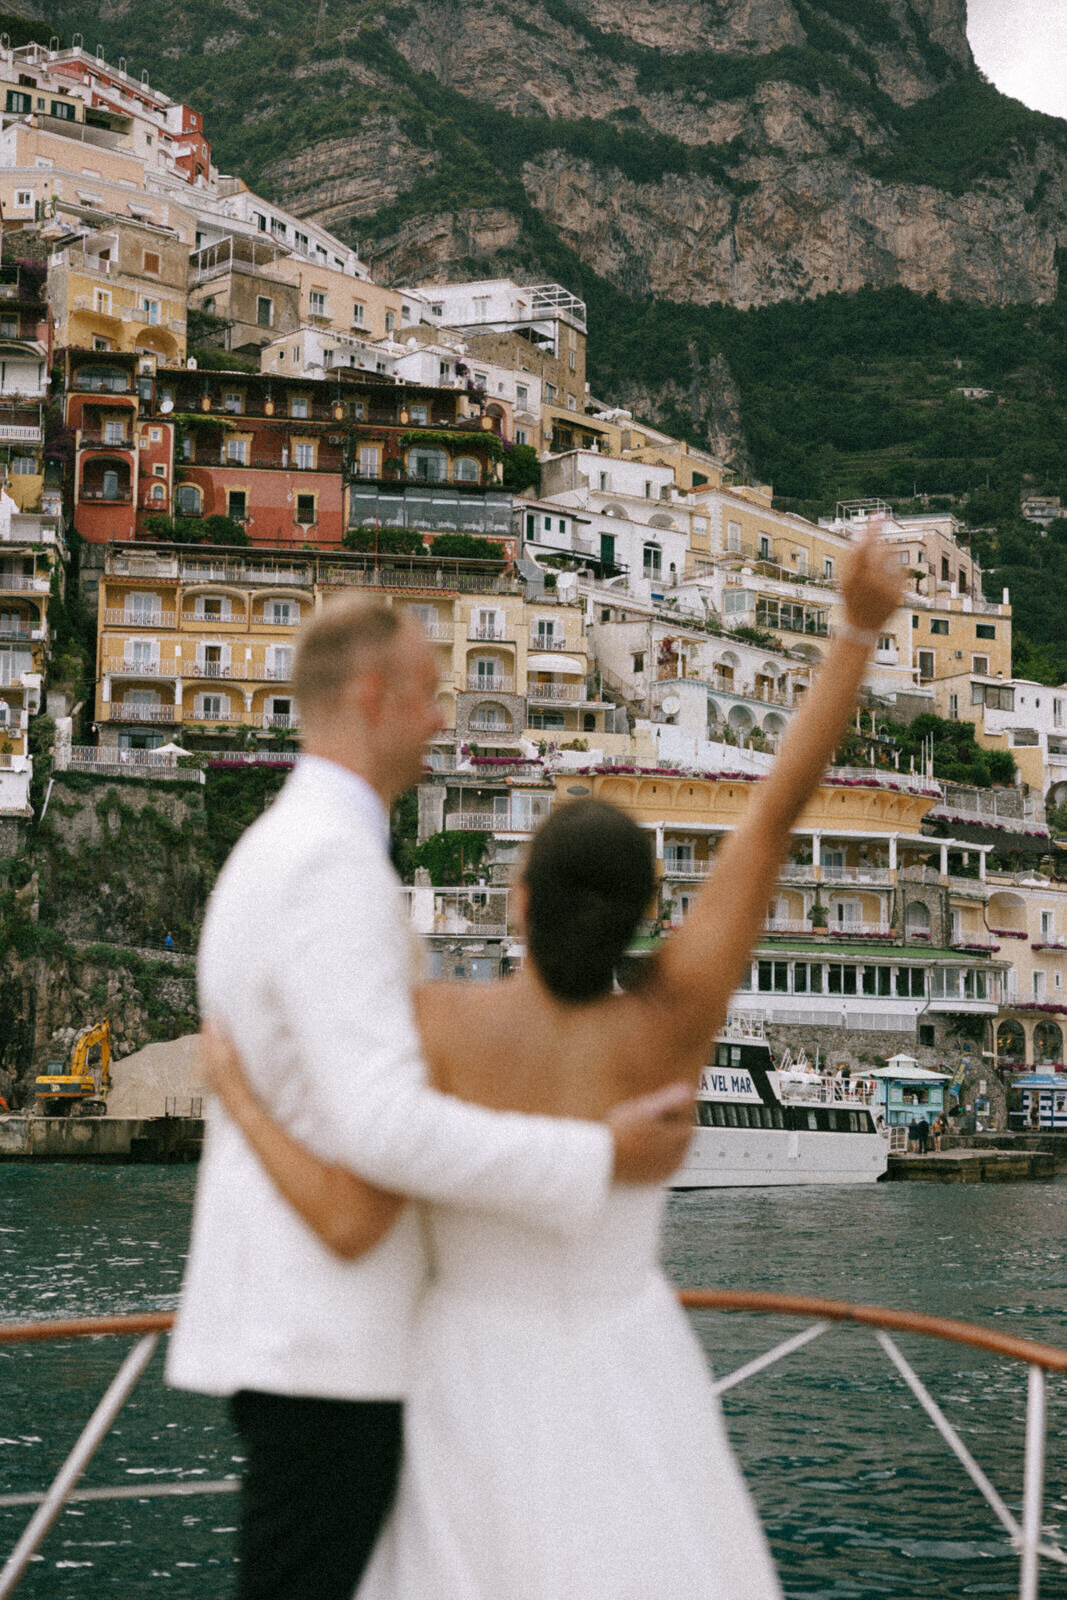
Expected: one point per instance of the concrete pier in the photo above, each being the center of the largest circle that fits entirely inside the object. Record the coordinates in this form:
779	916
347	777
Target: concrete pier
167	1139
972	1166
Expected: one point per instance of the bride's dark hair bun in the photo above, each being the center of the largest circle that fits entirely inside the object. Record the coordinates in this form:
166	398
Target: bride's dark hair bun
589	876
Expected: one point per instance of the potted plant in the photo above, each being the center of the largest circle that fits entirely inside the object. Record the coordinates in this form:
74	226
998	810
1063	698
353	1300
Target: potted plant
818	916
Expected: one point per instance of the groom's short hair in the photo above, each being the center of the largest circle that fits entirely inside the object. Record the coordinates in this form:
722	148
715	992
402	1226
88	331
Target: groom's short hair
338	644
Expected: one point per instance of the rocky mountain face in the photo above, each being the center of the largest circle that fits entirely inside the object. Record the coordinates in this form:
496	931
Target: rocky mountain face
738	151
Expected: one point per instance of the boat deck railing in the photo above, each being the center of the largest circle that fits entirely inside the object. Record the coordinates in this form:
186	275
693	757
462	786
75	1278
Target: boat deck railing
1022	1531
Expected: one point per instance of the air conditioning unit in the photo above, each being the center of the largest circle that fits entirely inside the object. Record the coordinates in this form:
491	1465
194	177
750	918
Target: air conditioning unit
335	438
959	655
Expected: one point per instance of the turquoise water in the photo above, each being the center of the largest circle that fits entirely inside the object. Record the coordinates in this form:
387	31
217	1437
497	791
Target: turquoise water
860	1497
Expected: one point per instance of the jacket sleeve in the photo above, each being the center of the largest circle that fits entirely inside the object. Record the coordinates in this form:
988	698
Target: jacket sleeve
345	991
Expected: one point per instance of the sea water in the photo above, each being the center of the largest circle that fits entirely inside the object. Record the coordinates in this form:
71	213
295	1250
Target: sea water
859	1495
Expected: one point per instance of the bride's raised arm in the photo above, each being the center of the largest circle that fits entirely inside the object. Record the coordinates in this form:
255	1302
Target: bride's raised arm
701	965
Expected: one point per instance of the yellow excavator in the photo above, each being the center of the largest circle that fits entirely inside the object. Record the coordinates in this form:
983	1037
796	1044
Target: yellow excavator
76	1088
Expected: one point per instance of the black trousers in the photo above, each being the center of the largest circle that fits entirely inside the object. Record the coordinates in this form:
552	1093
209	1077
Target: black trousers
320	1478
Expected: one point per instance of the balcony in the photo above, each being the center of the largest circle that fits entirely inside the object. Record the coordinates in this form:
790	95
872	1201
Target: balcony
796	872
491	635
114	618
551	641
876	876
19	433
554	693
23	583
120	497
840	930
124	712
96	438
436	632
478	724
19	632
966	940
512	819
459	913
217	669
680	867
497	684
131	666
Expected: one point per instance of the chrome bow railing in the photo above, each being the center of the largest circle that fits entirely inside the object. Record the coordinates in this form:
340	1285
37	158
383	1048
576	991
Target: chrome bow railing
1024	1531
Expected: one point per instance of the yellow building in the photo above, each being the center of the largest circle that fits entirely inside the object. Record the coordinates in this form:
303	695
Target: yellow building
1027	913
120	285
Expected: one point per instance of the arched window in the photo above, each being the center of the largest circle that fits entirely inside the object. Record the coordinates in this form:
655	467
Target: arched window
427	464
159	494
1011	1042
917	919
1048	1043
189	500
465	469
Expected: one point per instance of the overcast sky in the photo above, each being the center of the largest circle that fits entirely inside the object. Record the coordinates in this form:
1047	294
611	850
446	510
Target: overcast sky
1022	46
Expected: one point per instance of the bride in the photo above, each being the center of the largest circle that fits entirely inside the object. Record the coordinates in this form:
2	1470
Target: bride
562	1441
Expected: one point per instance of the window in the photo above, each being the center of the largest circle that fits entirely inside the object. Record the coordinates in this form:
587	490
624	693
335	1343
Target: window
368	460
939	625
572	404
733	536
318	303
652	560
772	977
639	661
233	403
828	567
281	612
114	432
63	111
980	664
954	707
878	980
305	509
911	982
150	312
807	977
840	979
418	413
522	394
764	547
305	456
428	465
904	558
926	665
188	500
237	505
102	302
264	311
550	393
18	103
986	630
151	262
159	470
466	469
23	199
298	406
214	707
237	451
359	313
521	436
390	321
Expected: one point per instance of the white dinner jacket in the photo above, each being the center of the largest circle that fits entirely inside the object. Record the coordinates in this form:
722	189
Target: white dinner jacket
306	959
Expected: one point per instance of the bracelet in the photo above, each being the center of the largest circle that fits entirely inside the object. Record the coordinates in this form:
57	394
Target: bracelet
867	637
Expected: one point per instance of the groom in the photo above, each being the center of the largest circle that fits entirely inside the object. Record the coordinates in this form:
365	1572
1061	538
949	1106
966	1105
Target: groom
307	962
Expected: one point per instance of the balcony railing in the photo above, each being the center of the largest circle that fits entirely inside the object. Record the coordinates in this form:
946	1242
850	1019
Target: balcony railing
486	725
796	872
437	632
511	820
551	641
23	583
966	940
119	497
115	618
97	438
837	930
675	867
497	684
17	631
491	635
556	691
109	760
130	665
124	712
879	876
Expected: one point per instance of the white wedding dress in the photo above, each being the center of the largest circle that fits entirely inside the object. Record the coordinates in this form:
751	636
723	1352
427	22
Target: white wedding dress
561	1438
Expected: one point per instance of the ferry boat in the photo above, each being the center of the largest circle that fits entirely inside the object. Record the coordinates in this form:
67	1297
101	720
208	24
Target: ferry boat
758	1123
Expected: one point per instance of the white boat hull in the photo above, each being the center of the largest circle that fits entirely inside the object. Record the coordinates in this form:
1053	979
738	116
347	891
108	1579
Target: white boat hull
741	1158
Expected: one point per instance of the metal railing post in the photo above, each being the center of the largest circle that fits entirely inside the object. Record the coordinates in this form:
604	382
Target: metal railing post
92	1434
1033	1484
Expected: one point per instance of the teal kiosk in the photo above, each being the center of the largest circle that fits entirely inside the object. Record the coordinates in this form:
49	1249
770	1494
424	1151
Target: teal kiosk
905	1092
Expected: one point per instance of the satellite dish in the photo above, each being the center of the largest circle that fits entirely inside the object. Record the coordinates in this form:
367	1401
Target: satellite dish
166	405
672	705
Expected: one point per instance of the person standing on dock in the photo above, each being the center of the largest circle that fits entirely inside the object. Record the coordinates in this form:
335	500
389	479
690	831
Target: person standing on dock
922	1135
307	960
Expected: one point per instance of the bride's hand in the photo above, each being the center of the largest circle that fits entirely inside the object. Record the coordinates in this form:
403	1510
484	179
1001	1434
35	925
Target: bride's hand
873	583
223	1070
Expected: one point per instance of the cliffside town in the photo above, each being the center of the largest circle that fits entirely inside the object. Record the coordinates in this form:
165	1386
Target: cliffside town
614	613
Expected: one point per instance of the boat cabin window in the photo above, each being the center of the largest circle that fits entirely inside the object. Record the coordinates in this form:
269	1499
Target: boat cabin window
704	1114
731	1116
813	1119
728	1055
777	1116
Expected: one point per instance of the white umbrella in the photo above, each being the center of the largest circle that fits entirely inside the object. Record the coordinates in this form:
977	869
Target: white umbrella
170	749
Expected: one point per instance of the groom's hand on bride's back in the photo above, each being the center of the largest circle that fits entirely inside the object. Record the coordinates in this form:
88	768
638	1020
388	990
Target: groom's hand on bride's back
651	1134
